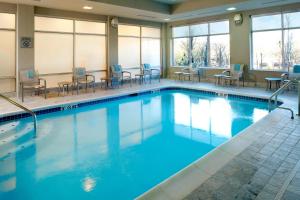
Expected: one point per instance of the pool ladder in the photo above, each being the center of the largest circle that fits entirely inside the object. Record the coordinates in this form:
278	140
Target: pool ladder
278	92
25	109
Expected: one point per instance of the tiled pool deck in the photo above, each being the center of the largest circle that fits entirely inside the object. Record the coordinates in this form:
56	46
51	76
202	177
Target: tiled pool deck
263	162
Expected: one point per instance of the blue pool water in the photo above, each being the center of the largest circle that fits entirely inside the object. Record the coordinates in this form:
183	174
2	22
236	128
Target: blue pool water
119	149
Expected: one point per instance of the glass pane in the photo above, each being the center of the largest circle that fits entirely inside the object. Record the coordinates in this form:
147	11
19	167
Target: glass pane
126	30
151	51
199	29
291	20
182	31
129	52
180	51
53	53
219	27
53	24
7	21
219	51
266	22
267	50
7	53
199	52
291	48
90	27
90	52
150	32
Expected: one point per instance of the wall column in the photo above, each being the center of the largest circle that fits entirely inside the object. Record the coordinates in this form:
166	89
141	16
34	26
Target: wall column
25	28
240	41
112	46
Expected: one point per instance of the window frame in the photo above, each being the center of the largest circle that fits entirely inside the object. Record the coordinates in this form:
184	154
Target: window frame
12	30
74	33
190	38
141	37
282	29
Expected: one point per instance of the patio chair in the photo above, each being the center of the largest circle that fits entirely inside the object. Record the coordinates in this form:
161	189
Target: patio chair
294	75
81	78
197	73
152	72
30	80
186	73
119	75
236	74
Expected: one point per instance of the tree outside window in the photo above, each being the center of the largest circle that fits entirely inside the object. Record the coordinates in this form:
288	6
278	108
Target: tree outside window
276	45
202	45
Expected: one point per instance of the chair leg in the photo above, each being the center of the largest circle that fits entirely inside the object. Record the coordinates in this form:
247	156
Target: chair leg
45	93
22	93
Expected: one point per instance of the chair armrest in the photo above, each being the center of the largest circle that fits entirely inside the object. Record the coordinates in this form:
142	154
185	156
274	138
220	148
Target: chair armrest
126	72
90	75
284	76
153	69
44	81
226	72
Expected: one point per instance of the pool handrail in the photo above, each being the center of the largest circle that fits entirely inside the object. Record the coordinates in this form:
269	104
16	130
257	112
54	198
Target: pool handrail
275	95
23	108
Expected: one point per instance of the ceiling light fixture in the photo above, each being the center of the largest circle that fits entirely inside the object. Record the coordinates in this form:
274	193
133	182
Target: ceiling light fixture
231	9
87	7
167	19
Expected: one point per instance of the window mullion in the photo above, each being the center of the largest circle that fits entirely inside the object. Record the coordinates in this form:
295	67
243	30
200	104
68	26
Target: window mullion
208	46
282	43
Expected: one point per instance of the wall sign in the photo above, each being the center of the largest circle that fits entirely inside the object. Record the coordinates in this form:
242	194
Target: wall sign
26	42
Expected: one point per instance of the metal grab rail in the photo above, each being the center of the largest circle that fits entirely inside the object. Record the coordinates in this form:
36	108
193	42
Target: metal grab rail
278	92
24	108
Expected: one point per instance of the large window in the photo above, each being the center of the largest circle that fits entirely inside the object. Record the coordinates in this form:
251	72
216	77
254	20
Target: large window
7	52
62	44
138	45
276	41
201	45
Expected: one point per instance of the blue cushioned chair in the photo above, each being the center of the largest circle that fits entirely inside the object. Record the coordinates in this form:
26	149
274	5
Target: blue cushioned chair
236	73
80	77
296	72
152	72
30	80
119	75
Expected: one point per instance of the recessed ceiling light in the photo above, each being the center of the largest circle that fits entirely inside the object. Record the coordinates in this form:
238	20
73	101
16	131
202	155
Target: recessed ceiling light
167	19
231	9
87	7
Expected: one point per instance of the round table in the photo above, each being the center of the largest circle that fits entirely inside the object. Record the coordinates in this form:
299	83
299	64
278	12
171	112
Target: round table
271	80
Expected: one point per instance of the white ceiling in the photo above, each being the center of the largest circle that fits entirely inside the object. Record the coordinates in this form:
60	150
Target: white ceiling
114	10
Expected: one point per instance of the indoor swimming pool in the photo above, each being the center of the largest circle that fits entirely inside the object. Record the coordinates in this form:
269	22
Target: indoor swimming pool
118	149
